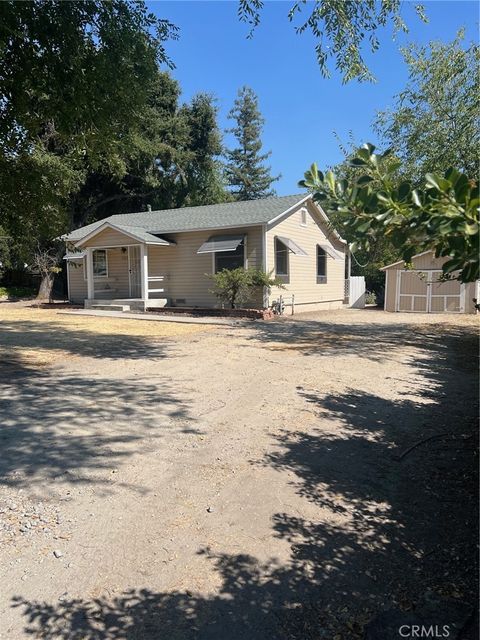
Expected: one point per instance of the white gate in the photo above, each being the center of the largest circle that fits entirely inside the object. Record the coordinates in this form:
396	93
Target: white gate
356	296
134	272
423	291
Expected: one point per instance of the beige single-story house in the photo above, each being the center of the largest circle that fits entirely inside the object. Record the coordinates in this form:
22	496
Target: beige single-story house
420	288
163	258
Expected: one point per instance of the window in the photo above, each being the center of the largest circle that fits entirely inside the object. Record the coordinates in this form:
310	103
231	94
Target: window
281	258
321	265
99	258
230	259
303	217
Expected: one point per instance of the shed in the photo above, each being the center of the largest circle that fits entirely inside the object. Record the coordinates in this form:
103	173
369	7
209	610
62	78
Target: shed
420	289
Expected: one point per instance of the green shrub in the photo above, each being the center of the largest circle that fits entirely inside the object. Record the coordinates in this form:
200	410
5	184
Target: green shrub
370	297
237	286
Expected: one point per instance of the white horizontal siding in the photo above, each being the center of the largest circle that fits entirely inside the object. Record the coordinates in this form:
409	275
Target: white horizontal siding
77	285
109	238
187	272
302	280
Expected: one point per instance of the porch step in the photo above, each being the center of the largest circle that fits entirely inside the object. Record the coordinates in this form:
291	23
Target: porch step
110	307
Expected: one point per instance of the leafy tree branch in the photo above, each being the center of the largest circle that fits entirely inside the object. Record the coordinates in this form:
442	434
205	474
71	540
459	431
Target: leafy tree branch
442	214
340	27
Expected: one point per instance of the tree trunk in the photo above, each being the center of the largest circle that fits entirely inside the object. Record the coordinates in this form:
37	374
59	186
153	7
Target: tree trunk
45	290
46	286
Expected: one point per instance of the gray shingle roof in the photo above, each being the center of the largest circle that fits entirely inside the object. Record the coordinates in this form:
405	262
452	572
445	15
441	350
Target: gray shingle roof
214	216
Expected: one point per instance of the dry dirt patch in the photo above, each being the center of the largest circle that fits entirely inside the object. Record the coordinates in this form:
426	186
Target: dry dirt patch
32	336
225	485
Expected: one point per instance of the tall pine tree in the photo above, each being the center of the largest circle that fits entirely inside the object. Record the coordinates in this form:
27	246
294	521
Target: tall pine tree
246	174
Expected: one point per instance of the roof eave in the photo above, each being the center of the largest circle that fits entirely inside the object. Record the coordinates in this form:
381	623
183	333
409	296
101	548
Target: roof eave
322	213
212	228
120	229
326	219
287	211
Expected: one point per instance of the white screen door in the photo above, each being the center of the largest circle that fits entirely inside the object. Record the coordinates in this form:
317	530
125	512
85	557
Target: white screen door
134	272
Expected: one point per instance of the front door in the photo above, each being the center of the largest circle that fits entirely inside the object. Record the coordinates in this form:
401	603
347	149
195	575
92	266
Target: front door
134	272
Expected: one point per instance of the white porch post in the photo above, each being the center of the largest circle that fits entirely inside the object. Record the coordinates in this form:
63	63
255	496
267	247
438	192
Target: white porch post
90	284
144	270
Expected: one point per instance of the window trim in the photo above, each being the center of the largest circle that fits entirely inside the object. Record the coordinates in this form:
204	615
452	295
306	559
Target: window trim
95	277
321	279
287	251
245	256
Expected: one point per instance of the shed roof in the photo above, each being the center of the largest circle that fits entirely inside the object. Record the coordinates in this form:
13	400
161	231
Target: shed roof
394	264
215	216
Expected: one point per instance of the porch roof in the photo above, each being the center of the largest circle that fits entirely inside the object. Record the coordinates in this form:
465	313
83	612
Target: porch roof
74	257
137	233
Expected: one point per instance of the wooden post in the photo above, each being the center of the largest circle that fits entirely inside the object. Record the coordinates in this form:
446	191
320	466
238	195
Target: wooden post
90	283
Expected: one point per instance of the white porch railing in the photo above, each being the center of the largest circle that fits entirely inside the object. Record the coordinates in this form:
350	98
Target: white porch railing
156	279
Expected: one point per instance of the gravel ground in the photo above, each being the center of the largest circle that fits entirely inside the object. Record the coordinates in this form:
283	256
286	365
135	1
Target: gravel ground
234	483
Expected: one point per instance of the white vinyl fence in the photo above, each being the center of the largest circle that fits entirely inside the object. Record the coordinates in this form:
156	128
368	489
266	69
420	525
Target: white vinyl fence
356	297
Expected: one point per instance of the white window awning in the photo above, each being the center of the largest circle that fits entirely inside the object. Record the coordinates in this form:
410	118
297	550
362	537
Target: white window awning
331	252
221	243
79	255
293	246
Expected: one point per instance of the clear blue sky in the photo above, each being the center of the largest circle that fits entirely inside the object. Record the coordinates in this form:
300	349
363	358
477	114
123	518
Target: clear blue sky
301	109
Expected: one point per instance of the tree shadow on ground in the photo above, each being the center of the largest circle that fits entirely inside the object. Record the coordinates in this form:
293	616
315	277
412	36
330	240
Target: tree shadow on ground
391	532
61	426
51	336
396	484
374	340
72	427
245	608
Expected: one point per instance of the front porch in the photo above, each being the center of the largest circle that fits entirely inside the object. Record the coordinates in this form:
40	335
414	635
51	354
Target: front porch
126	283
121	272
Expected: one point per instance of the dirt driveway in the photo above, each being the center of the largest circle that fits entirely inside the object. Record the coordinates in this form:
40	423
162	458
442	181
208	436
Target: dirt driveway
234	483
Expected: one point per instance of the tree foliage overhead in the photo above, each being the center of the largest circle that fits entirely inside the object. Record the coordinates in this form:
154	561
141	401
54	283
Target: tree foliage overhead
340	28
203	179
434	121
75	73
442	214
73	79
245	171
89	125
171	162
433	126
